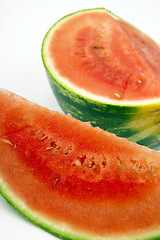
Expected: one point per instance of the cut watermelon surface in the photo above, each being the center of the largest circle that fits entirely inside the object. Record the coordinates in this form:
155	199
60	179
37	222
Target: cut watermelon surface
76	181
104	70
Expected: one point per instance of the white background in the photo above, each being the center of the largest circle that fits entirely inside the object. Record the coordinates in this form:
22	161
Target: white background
23	24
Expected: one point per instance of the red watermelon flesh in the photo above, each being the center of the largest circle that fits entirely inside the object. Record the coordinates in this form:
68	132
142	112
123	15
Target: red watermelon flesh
71	174
106	56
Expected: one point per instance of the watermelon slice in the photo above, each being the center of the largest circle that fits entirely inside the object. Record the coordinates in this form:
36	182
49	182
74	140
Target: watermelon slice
105	71
76	181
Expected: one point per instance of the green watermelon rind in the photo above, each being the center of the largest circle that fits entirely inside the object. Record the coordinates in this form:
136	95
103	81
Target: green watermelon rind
123	118
58	229
35	218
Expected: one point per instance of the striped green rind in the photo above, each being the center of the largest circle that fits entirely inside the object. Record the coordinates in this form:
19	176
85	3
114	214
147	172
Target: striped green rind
139	122
62	230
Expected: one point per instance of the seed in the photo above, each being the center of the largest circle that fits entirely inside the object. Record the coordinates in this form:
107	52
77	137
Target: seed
49	148
7	141
136	168
139	81
44	137
57	179
150	170
96	47
120	165
78	163
117	95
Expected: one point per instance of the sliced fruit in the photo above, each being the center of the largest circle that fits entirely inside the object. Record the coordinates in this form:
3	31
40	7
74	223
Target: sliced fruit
103	70
76	181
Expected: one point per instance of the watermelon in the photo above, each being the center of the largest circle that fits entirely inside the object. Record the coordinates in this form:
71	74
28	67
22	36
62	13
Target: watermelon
74	180
104	70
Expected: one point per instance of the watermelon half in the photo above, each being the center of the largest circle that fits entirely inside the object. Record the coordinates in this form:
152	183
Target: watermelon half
76	181
104	70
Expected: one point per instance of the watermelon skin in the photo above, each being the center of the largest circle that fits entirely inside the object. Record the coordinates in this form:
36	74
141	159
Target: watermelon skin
137	121
22	153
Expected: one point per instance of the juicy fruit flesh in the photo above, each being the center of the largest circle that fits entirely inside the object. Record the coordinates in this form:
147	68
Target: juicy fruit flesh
86	180
106	57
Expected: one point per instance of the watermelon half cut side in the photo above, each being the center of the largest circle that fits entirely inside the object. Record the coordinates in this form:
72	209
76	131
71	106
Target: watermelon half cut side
76	181
104	70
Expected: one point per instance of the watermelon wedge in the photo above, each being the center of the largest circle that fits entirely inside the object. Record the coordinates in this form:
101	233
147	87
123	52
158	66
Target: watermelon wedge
104	70
76	181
